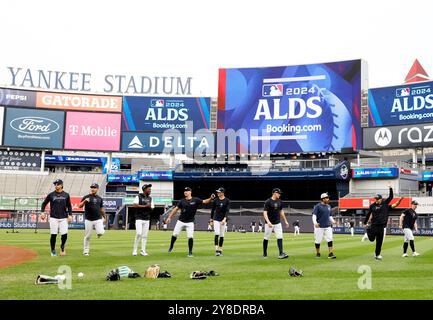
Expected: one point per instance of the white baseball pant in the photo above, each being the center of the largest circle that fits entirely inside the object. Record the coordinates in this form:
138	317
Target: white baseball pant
141	231
219	228
88	227
408	235
189	226
320	233
57	225
276	228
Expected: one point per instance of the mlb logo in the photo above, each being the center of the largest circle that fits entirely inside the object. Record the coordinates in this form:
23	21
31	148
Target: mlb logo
157	103
402	92
272	90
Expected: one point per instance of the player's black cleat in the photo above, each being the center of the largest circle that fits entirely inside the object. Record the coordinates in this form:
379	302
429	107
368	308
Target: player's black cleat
331	256
317	255
283	256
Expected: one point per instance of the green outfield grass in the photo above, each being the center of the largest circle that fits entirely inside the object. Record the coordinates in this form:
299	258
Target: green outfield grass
244	273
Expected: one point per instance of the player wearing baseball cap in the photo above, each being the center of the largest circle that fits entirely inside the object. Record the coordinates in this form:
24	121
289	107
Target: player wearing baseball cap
220	210
60	215
144	204
377	219
322	220
94	215
273	213
188	208
408	224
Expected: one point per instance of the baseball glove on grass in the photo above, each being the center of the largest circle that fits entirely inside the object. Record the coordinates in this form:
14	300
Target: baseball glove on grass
113	275
153	271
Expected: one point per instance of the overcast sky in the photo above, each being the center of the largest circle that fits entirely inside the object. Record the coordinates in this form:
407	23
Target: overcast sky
195	38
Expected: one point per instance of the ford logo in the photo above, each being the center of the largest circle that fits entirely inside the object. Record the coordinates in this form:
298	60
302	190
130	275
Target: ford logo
34	125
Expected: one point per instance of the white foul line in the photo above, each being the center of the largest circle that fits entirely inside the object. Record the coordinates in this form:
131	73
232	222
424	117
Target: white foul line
294	79
299	137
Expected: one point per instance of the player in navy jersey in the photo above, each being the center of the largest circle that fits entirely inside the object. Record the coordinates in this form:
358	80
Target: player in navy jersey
188	208
322	220
408	224
60	215
94	215
273	213
220	210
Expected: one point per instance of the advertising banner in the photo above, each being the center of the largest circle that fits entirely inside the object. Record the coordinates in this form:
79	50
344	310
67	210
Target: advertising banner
364	203
301	108
2	111
15	203
19	159
155	175
33	128
65	101
405	104
19	98
92	131
167	142
125	178
112	204
398	137
162	113
374	173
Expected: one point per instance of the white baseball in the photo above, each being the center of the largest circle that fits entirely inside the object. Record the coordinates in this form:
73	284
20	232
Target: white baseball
80	274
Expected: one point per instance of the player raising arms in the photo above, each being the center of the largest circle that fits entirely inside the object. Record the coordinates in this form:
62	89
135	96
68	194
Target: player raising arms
60	215
188	208
220	210
377	219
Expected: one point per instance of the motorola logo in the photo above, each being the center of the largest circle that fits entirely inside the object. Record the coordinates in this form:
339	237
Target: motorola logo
383	137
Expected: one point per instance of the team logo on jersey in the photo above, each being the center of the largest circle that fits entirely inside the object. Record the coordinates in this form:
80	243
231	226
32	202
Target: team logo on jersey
383	137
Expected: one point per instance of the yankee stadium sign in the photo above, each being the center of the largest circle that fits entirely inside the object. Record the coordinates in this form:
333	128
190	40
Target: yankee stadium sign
39	79
398	137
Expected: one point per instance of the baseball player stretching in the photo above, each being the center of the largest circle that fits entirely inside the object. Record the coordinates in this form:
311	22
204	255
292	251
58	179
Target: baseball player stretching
93	213
323	221
273	212
144	204
377	219
220	210
60	215
188	208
